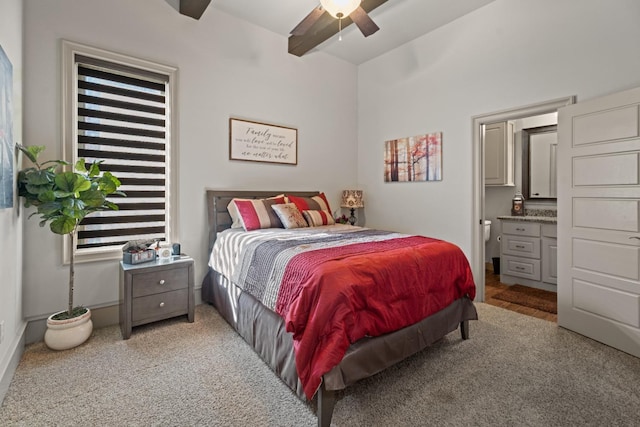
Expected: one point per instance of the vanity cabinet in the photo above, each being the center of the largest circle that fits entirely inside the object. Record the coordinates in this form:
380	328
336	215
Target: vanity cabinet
498	154
528	254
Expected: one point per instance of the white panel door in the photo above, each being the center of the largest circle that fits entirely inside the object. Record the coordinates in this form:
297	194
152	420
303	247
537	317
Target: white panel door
598	222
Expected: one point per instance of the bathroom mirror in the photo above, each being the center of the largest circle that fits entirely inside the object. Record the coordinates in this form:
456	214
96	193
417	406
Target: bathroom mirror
539	162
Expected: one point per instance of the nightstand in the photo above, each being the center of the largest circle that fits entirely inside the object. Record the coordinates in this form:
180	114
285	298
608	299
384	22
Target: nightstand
155	290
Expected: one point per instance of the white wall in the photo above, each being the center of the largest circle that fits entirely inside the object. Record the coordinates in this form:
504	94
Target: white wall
508	54
227	67
10	222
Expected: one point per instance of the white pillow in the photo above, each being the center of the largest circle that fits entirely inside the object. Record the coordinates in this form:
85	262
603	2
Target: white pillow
289	215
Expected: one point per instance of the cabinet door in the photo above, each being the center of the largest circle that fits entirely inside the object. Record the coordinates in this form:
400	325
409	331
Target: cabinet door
498	154
549	260
542	165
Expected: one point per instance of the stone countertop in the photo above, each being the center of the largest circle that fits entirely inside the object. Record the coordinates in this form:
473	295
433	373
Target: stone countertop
531	218
547	216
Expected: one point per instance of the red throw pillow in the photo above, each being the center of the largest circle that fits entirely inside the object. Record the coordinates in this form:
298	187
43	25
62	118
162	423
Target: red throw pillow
315	203
316	218
256	214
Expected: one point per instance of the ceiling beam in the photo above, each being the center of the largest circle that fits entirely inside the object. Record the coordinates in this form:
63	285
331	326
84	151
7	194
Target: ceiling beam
193	8
324	28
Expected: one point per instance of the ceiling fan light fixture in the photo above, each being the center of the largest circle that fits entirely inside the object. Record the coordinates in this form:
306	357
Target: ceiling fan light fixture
340	8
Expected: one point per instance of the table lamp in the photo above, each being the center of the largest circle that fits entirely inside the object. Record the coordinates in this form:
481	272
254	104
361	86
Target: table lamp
352	199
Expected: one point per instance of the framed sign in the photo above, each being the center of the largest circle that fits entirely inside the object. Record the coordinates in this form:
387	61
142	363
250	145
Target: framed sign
262	142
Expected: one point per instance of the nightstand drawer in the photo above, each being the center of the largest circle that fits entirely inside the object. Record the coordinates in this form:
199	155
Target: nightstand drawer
160	281
160	306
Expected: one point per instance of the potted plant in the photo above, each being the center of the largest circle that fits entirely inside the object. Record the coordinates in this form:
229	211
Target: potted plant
62	198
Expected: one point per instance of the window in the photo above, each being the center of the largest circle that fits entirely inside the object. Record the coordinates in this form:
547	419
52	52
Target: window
119	110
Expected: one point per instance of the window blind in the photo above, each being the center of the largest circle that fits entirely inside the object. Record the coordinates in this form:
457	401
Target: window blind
122	120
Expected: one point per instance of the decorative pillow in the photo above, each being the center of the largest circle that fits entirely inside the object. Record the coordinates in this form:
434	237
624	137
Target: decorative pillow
318	202
256	214
289	215
236	220
317	218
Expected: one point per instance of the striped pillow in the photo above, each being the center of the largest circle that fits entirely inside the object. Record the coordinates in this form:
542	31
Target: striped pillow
316	218
290	215
318	202
236	221
256	214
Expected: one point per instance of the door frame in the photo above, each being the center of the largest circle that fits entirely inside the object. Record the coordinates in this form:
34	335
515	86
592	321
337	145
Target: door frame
477	216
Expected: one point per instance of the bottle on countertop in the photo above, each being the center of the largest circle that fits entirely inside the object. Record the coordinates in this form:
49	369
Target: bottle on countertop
517	204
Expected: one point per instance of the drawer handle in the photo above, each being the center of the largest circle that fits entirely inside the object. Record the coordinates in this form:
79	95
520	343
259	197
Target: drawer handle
519	246
162	304
161	282
519	229
520	268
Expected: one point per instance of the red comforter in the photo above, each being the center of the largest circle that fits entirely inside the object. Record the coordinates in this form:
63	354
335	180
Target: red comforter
333	297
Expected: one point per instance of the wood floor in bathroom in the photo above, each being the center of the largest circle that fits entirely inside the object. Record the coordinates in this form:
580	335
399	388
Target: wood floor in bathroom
493	287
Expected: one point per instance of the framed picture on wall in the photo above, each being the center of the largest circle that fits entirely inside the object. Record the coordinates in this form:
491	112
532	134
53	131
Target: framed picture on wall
262	142
6	131
416	158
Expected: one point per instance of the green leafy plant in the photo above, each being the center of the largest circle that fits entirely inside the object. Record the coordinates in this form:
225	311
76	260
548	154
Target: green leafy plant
63	198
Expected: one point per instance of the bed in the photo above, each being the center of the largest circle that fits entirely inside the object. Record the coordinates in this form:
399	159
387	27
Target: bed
263	321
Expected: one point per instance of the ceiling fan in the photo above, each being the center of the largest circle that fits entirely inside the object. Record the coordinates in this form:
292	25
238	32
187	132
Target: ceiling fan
193	8
328	19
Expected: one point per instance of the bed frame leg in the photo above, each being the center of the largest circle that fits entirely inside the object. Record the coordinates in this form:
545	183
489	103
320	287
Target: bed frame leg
464	329
326	402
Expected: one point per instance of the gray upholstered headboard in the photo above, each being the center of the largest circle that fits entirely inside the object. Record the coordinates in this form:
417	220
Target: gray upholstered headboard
217	201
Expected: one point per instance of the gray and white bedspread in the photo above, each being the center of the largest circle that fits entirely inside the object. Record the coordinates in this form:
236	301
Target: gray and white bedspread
256	261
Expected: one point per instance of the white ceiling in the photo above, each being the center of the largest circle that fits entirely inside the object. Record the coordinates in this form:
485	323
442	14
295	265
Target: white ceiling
400	21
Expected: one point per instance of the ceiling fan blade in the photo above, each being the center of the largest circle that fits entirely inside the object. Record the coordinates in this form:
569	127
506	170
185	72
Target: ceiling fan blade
325	27
193	8
363	21
308	21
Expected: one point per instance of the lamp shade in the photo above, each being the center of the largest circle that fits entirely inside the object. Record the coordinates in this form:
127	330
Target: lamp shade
352	199
340	8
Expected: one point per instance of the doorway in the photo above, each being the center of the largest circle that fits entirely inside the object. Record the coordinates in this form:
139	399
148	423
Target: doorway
478	243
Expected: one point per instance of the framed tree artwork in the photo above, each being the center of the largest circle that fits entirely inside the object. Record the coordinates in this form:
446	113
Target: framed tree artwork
413	159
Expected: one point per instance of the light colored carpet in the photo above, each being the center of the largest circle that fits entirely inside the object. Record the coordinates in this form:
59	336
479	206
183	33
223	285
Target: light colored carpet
515	370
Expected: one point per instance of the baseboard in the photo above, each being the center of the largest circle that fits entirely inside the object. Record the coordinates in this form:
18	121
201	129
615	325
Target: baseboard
10	363
198	295
100	316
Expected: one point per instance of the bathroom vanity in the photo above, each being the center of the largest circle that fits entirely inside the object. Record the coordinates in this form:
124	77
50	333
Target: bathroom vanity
528	250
